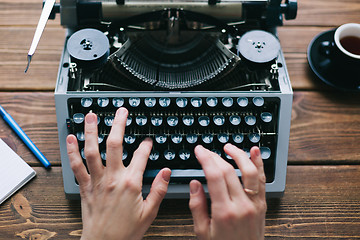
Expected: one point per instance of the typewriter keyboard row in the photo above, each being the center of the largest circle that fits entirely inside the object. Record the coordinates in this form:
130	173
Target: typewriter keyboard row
178	124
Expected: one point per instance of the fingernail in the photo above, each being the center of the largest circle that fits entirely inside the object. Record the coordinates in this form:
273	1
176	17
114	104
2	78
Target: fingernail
121	111
166	176
70	140
91	118
194	188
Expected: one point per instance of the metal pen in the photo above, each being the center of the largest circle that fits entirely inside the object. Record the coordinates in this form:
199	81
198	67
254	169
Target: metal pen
22	135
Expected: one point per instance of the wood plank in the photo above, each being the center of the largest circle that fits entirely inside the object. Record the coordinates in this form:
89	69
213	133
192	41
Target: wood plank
320	202
325	126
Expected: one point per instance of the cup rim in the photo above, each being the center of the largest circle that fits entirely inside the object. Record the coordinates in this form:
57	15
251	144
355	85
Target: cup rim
337	39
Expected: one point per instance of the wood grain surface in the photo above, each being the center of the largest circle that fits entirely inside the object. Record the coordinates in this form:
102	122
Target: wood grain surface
322	197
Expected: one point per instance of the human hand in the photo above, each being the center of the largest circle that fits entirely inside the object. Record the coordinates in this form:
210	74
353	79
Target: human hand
111	198
237	212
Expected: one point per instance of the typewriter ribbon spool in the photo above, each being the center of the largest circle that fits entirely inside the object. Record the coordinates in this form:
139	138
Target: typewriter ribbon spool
89	48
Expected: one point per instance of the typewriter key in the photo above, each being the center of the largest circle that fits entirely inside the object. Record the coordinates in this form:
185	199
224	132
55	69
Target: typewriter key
118	102
124	155
218	152
100	138
156	121
109	121
134	101
172	121
196	102
258	101
223	137
211	101
103	102
238	138
141	120
164	102
219	120
80	136
207	138
86	102
169	155
78	118
98	120
150	102
227	101
188	120
250	120
228	156
103	155
128	121
160	138
176	138
266	117
129	138
154	155
181	102
184	154
82	153
265	153
235	120
204	121
191	138
254	137
242	101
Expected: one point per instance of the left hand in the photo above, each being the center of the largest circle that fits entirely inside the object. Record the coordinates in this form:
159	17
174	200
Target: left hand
111	196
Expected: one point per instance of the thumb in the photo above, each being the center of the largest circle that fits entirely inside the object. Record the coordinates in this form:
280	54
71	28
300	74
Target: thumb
157	193
199	210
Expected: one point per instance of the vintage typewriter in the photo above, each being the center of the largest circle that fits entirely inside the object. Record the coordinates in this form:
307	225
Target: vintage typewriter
189	72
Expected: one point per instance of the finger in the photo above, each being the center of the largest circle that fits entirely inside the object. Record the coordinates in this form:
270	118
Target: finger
76	162
114	142
215	178
249	173
256	159
92	154
199	210
140	158
157	193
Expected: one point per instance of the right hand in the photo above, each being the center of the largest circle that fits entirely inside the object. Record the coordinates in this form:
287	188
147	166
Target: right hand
237	212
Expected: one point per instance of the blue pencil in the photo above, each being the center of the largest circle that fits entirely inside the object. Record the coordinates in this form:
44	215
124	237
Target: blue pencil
22	135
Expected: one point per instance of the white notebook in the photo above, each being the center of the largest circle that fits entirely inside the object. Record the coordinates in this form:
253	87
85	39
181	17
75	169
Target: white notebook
14	172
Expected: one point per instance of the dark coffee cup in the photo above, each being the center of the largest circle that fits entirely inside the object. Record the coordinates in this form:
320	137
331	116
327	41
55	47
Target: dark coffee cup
344	49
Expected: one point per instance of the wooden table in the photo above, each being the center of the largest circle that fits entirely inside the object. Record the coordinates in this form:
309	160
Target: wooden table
322	198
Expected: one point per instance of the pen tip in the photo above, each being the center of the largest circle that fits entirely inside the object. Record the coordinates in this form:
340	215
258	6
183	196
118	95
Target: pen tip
28	64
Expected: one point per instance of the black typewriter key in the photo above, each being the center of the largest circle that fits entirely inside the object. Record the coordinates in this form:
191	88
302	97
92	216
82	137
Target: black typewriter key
78	118
141	120
118	102
218	152
160	138
266	117
188	120
98	120
238	137
172	121
207	138
154	155
80	136
228	156
109	121
258	101
191	138
150	102
176	138
204	121
128	121
235	120
124	155
156	121
184	154
100	138
103	155
82	153
242	101
250	120
211	101
196	102
164	102
129	138
227	101
181	102
103	102
86	102
223	137
134	101
219	120
265	153
254	137
169	155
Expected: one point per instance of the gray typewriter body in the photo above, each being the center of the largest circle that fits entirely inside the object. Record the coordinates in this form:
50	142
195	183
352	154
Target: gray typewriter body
210	101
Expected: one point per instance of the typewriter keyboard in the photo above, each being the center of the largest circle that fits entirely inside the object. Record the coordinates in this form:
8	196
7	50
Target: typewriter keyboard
178	124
